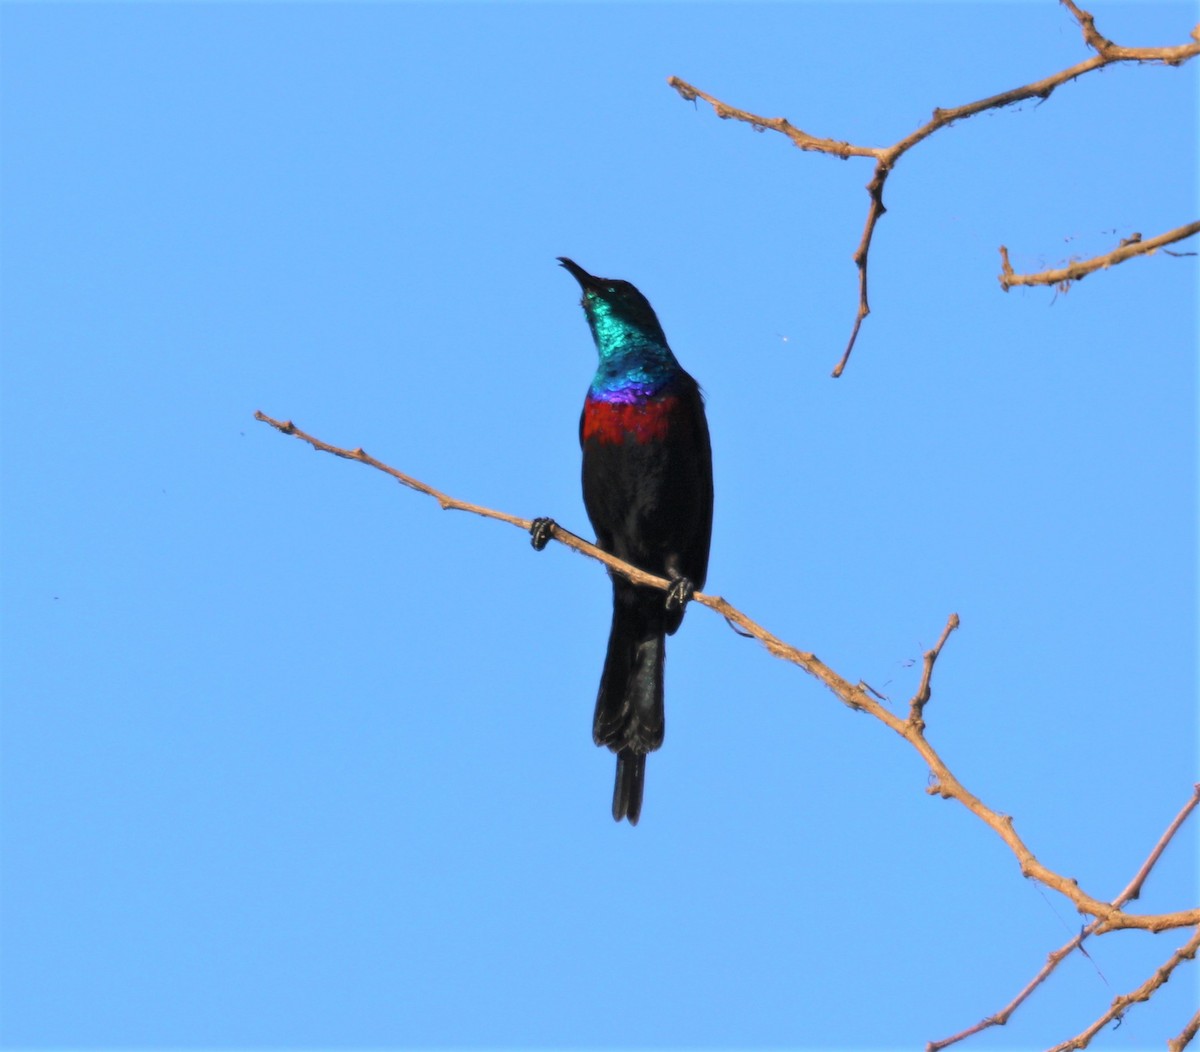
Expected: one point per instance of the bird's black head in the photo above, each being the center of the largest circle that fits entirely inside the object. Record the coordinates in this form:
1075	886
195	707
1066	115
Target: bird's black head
612	304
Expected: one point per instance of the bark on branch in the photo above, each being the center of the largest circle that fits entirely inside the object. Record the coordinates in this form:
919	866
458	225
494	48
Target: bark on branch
856	696
1122	1003
1106	53
1132	890
1077	271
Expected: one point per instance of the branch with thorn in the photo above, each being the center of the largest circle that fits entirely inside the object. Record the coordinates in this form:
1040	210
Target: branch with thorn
1106	53
1132	890
855	696
1121	1004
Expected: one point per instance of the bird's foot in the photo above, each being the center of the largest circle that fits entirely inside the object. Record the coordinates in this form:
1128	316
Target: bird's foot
680	593
540	532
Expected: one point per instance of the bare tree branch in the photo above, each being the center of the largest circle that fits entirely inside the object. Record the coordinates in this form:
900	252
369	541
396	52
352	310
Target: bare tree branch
1171	56
1127	249
1106	53
1143	993
1178	1044
944	783
916	707
1132	890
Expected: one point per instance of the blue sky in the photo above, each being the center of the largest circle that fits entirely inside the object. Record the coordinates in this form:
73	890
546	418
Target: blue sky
293	759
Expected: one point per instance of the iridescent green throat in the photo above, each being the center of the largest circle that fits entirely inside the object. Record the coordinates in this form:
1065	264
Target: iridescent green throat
635	360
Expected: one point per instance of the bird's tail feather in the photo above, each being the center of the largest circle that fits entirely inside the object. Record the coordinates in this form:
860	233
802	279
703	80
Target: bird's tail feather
629	707
627	791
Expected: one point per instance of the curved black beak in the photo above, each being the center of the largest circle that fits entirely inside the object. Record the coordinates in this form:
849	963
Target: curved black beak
586	280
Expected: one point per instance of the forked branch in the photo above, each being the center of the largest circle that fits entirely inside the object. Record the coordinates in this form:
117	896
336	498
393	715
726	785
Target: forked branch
1122	1003
944	783
1132	890
1106	53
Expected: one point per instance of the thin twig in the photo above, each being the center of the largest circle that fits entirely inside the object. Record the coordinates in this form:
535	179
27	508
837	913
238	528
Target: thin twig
1132	890
1063	276
1178	1044
916	707
1106	53
1121	1004
944	783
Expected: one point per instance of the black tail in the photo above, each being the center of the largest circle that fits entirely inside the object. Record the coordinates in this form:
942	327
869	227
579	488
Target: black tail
631	780
629	707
